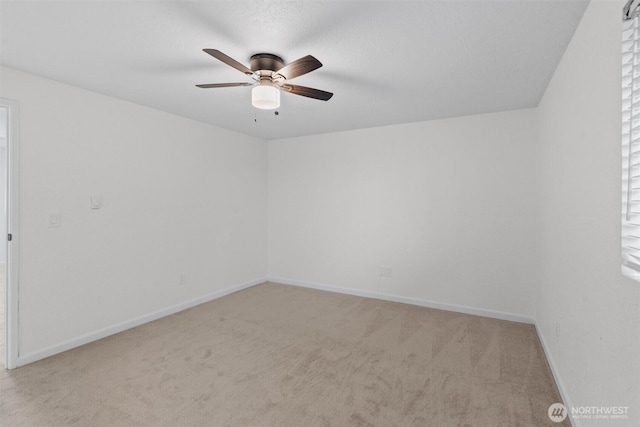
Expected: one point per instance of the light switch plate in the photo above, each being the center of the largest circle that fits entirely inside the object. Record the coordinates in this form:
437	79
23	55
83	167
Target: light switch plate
54	220
95	202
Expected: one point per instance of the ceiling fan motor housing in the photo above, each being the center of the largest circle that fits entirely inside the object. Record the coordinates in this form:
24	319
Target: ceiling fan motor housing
265	65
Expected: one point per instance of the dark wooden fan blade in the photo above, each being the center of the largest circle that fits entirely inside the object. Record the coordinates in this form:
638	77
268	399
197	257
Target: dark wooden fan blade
214	85
228	60
309	92
299	67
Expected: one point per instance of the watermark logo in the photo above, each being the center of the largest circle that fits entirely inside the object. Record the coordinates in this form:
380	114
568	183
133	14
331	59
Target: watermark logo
600	412
557	412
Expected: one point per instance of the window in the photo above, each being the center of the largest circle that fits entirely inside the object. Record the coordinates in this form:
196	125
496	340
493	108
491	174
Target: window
631	140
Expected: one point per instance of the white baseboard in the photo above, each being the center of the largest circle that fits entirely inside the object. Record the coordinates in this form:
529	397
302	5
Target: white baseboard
556	376
114	329
407	300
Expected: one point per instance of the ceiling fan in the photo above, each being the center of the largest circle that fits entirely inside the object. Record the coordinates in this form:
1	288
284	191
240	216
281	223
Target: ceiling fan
269	76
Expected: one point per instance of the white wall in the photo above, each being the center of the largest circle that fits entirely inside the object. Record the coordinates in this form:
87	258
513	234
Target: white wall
179	197
587	311
446	204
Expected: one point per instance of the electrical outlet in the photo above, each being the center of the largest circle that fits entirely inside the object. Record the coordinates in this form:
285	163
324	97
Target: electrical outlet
182	279
386	272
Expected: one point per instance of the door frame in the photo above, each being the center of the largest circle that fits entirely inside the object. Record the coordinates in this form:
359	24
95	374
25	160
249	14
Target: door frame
12	206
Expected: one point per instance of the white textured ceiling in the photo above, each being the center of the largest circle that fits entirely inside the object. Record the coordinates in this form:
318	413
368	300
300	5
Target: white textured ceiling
387	62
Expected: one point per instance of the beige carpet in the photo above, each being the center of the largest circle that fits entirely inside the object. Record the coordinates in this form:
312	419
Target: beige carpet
276	355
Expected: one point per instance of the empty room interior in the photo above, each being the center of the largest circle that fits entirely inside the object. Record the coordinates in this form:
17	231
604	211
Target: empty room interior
320	213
